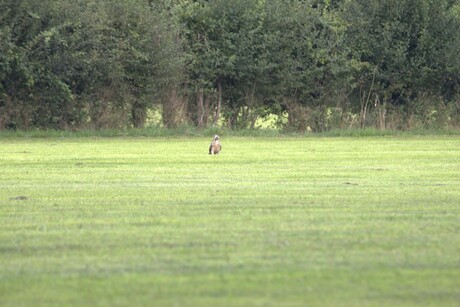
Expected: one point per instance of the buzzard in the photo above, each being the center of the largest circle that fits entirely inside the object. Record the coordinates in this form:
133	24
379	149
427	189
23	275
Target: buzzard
215	146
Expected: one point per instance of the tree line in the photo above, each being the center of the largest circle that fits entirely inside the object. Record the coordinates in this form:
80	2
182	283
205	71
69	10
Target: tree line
315	64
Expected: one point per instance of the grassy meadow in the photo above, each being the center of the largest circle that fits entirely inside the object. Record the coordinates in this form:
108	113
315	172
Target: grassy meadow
271	221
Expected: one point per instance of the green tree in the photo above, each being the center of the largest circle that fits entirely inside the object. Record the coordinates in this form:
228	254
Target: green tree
28	81
223	46
402	51
71	64
307	59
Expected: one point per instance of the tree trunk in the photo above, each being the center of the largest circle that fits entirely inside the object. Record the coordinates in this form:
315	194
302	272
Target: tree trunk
138	114
297	115
200	108
382	111
219	104
173	109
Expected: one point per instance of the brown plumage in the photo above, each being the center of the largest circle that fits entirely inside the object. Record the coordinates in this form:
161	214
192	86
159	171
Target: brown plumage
215	146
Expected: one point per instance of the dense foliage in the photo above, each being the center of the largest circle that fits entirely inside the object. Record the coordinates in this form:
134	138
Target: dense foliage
315	64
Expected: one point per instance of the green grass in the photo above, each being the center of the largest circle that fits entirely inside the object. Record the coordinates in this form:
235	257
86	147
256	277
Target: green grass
192	131
274	221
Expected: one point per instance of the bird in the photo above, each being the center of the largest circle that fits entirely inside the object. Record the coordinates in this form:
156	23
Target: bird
215	146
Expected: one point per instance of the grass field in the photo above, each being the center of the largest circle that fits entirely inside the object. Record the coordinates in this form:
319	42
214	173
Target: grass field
277	221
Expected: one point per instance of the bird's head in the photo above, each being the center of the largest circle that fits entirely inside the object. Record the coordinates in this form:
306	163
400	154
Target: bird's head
216	137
